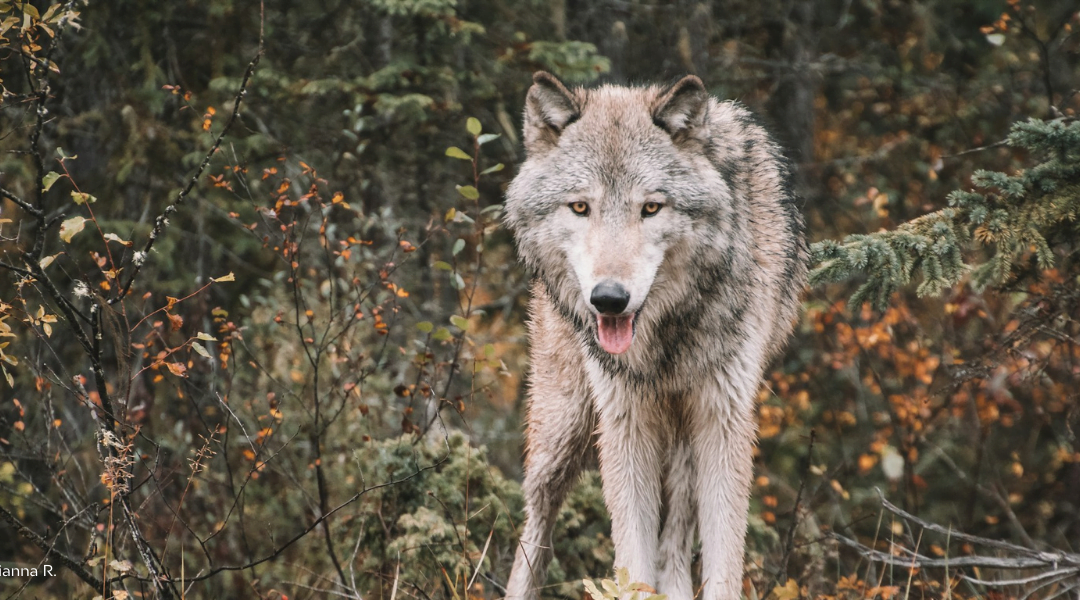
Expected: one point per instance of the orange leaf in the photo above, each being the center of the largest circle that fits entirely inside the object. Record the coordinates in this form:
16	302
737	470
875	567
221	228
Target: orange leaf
177	369
175	322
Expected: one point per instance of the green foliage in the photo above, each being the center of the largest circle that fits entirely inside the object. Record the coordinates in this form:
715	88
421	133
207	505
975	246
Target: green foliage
1017	216
439	517
574	61
417	8
418	528
582	541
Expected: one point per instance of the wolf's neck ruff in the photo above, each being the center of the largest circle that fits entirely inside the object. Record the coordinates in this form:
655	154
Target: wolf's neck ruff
669	255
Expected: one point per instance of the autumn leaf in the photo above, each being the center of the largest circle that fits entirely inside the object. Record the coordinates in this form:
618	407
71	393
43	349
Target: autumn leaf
112	237
622	576
82	198
339	198
590	587
175	322
44	320
788	591
11	360
71	227
177	369
229	277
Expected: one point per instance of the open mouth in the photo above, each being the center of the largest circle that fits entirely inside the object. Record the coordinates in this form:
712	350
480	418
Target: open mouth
615	332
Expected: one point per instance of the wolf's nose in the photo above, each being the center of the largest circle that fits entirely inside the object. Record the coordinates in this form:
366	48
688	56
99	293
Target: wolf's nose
609	297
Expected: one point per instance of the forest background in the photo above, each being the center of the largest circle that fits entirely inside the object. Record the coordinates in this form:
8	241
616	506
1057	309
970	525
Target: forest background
262	334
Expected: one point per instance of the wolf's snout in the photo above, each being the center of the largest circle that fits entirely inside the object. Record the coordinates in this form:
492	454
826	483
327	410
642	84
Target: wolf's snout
609	298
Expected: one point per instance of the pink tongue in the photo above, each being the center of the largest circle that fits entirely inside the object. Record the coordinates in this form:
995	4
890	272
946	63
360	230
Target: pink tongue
616	333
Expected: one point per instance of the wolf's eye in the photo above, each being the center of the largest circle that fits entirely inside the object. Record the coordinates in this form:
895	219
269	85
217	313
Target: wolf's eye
650	209
580	208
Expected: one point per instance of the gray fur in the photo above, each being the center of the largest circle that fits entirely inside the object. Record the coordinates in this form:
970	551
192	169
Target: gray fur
714	279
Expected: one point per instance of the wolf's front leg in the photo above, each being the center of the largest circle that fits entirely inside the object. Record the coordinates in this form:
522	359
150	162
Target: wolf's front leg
560	429
677	536
723	443
631	437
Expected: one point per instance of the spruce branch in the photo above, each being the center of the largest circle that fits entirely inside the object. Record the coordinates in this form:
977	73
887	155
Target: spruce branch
1013	218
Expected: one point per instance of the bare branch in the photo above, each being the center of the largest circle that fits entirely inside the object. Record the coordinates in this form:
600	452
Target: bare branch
51	551
162	220
23	204
917	560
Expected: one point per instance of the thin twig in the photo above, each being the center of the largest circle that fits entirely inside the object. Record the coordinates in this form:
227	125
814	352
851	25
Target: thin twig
162	220
789	543
50	551
316	523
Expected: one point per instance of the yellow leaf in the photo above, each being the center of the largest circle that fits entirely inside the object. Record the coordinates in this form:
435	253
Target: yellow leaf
473	125
48	260
71	227
230	277
590	587
455	152
788	591
82	198
112	237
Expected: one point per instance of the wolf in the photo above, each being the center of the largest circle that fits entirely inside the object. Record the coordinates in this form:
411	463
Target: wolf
669	258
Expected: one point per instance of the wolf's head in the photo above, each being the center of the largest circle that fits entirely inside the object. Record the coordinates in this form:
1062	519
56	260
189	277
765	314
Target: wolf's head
616	197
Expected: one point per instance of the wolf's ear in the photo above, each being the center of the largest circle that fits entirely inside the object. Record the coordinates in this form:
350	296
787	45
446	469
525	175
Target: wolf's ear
549	109
681	108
